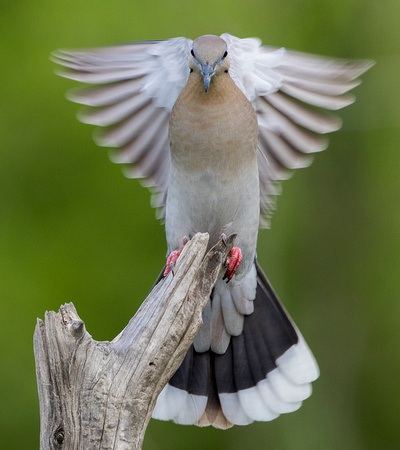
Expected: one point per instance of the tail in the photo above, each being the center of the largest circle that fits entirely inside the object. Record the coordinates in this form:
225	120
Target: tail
266	371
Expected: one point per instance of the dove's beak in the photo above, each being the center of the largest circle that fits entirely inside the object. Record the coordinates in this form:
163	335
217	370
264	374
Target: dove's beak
207	72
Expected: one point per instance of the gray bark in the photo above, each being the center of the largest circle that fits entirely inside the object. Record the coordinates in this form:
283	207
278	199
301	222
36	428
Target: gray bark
100	395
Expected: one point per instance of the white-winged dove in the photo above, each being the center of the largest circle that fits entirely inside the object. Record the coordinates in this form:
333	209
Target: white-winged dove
239	120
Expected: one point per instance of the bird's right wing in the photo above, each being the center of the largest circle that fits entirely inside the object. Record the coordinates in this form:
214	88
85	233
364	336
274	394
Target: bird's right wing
136	87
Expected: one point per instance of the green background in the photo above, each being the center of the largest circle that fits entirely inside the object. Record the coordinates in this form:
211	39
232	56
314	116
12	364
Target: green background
72	228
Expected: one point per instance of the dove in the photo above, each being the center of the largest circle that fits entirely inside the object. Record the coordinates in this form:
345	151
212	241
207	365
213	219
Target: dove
212	126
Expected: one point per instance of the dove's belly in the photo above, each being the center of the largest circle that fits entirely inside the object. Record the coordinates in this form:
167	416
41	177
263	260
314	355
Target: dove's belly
202	202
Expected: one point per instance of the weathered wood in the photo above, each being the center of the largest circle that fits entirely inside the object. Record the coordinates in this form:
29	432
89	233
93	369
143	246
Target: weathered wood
100	395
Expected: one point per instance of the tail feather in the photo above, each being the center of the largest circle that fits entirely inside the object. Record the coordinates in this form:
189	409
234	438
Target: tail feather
266	371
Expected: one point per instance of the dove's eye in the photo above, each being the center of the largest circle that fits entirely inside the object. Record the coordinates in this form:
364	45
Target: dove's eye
225	54
192	53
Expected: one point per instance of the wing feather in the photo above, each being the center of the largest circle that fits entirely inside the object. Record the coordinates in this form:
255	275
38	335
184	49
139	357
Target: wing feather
134	89
293	119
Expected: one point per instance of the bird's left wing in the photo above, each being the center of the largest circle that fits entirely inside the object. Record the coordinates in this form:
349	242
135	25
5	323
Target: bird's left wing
136	86
290	92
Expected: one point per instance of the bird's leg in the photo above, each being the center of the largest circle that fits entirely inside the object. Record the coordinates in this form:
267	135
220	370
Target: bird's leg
232	261
173	257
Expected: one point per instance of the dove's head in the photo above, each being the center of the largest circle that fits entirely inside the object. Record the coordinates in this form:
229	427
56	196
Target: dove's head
209	57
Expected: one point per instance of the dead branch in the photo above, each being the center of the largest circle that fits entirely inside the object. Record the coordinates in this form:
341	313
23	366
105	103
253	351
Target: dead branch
100	395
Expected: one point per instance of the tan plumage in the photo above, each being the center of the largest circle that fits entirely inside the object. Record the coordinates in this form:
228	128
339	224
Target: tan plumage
228	117
213	140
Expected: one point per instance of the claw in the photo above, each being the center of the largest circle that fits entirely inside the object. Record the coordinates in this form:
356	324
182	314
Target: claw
232	263
173	257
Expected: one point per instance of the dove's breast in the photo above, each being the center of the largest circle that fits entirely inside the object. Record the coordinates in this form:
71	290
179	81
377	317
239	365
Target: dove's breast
213	184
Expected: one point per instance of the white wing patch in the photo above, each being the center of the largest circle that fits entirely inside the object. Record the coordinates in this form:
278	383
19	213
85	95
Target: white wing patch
168	71
251	68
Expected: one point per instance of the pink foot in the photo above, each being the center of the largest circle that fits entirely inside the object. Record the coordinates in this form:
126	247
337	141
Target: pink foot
173	257
232	263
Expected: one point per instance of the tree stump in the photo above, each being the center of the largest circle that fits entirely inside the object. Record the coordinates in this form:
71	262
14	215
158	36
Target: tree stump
100	395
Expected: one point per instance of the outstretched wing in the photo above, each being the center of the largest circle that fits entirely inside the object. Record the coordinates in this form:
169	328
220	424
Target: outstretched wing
137	86
290	91
139	83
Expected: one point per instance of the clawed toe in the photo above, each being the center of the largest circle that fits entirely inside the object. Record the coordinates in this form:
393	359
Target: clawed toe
232	263
173	257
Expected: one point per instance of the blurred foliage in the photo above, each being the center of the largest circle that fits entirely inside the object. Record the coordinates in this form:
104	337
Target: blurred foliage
72	228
